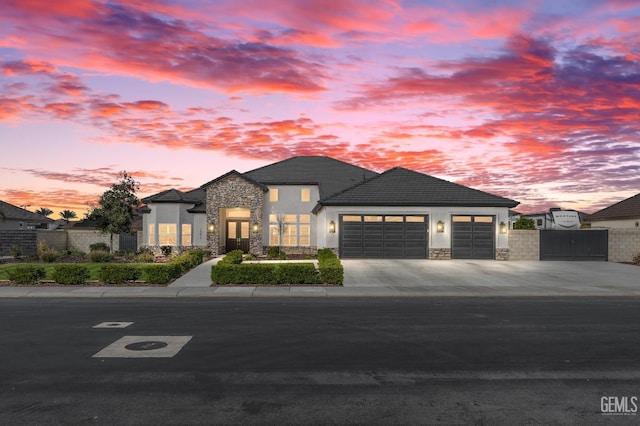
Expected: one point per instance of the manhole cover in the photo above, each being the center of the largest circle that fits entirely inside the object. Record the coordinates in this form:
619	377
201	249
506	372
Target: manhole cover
146	346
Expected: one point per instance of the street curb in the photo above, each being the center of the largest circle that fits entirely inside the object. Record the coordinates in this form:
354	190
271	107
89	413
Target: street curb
295	292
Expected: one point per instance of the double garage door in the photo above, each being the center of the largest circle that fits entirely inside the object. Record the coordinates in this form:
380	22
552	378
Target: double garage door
383	236
406	236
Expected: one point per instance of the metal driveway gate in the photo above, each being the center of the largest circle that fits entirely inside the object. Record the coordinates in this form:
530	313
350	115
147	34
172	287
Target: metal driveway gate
574	245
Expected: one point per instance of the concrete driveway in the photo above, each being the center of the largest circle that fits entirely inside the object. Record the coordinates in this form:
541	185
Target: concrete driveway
511	277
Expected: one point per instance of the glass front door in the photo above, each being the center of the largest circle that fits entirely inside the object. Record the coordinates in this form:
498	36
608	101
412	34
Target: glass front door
238	235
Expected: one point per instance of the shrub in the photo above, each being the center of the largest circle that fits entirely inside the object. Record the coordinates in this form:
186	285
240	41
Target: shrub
331	270
166	250
636	259
229	273
70	274
273	252
249	257
145	257
75	255
102	246
524	223
27	274
118	273
48	255
297	273
100	256
233	257
160	273
15	251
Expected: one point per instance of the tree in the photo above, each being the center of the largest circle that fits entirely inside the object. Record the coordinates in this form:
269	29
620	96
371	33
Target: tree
115	212
524	223
68	215
44	211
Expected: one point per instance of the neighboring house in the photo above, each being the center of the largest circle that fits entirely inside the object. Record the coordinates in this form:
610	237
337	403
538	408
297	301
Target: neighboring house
305	203
624	214
16	218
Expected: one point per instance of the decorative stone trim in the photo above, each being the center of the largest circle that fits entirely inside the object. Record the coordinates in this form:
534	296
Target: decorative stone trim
233	192
439	254
295	250
502	254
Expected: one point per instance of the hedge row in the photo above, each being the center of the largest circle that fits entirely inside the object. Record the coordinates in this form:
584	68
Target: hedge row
117	273
265	273
230	270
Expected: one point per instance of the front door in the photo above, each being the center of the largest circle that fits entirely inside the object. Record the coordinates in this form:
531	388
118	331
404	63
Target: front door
238	235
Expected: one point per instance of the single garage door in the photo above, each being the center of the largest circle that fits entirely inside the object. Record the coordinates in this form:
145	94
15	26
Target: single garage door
473	237
383	236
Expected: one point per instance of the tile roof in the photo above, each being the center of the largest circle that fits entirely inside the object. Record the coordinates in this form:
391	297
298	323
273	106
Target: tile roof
176	196
11	212
329	174
404	187
625	209
234	173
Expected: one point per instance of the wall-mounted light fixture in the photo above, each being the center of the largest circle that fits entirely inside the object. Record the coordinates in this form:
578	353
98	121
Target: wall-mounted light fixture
256	227
440	226
503	228
211	227
332	227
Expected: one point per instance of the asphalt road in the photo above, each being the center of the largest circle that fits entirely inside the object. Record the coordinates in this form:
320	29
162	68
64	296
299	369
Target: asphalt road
311	361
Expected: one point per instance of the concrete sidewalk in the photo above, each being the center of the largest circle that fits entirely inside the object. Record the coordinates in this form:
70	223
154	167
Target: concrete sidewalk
397	278
300	291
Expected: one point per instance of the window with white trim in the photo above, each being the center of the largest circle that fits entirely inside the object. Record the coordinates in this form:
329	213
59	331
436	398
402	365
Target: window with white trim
273	195
305	195
152	234
294	229
167	234
186	234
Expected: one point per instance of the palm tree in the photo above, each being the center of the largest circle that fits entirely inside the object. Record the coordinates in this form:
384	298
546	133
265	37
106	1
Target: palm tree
44	211
68	215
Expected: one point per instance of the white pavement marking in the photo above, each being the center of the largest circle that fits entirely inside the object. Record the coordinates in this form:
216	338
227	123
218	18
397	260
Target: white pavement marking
144	347
113	324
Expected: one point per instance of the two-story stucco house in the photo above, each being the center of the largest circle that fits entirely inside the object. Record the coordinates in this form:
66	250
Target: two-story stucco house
305	203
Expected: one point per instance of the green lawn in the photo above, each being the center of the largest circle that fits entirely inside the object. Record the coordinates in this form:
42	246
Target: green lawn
93	268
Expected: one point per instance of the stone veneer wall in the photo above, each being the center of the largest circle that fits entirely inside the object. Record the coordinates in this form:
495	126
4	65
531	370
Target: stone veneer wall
440	254
624	244
502	254
296	250
524	244
233	191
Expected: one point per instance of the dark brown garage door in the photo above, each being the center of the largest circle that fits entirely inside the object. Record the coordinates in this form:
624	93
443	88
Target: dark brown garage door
383	236
473	237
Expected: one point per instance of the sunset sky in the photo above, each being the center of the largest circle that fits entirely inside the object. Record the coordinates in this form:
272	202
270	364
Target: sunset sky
538	103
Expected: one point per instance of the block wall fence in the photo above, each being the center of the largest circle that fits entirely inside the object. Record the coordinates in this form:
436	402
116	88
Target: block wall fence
624	244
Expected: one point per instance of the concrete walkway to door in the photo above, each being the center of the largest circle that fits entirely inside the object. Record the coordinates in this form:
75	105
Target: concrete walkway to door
517	277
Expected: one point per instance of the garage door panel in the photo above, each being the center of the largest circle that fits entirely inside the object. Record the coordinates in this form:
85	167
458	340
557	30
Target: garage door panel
385	237
473	237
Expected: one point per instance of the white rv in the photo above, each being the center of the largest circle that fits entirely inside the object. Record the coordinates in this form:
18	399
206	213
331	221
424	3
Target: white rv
556	218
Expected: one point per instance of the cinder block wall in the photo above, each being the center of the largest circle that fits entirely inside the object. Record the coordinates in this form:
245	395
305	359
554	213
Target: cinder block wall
82	239
56	240
624	244
524	244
